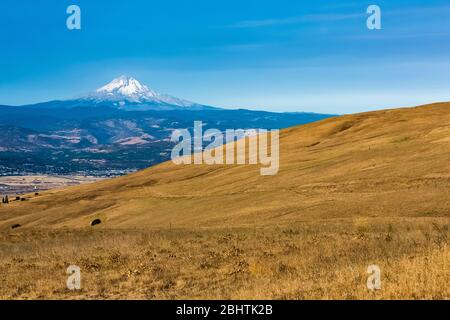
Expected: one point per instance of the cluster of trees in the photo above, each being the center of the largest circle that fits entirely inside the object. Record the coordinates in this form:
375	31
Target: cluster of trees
5	199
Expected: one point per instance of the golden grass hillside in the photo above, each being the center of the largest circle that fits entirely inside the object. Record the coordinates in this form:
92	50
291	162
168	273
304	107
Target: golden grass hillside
390	163
352	191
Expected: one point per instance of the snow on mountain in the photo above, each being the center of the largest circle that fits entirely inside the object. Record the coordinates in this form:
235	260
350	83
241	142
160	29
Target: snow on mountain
127	89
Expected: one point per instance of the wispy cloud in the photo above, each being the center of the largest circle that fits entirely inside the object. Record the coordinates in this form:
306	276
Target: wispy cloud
331	17
394	36
436	10
308	18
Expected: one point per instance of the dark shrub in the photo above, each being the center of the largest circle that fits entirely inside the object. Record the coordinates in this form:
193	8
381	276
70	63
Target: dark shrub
95	222
14	226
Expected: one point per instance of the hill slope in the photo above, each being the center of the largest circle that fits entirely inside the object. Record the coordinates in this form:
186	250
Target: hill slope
385	163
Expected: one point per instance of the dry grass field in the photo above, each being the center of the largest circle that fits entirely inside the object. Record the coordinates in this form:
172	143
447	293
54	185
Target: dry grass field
320	260
352	191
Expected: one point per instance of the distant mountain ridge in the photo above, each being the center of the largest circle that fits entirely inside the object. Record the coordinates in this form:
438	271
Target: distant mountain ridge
126	93
122	126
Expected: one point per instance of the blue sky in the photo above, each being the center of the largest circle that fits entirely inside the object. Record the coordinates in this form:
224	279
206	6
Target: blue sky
279	55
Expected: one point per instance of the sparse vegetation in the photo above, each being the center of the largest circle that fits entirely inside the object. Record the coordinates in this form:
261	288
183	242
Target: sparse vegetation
321	260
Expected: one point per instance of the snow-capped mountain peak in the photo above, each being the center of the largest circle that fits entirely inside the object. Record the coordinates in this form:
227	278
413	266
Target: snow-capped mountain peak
127	93
127	87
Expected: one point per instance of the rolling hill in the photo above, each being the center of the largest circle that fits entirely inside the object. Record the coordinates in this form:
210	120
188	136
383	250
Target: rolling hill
389	163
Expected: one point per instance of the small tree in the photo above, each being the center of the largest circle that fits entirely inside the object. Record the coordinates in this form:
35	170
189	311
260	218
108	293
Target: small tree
6	199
